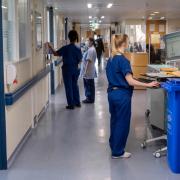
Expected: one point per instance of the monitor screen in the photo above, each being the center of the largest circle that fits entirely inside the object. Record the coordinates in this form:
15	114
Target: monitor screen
172	42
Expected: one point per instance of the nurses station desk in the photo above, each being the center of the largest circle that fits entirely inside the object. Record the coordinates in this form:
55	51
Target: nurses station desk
139	64
164	102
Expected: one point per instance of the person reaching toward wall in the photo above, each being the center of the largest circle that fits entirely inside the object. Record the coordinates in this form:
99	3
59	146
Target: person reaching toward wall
120	91
72	56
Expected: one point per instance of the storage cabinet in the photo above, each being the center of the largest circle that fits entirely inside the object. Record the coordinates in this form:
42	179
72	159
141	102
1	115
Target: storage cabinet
139	62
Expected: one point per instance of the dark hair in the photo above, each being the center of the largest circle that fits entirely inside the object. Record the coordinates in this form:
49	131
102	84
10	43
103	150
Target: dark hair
92	40
73	36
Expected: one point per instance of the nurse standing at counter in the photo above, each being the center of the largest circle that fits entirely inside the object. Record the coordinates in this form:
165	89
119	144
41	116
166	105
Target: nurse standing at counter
120	91
72	56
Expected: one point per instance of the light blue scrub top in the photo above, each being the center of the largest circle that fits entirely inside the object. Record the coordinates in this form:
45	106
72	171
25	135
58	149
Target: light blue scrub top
91	71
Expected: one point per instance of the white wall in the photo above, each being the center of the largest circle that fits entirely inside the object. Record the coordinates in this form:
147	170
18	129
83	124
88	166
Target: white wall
173	25
20	116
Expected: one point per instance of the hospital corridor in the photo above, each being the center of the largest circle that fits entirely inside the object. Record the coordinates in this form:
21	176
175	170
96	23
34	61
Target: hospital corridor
89	90
74	145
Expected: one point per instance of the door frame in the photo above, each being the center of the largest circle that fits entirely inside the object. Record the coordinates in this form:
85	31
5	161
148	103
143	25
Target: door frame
3	145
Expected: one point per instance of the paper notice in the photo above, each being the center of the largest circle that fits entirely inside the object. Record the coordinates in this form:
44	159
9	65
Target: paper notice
155	38
162	28
152	27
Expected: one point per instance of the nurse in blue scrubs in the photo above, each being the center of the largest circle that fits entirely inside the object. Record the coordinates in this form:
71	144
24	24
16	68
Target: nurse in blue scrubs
120	91
72	56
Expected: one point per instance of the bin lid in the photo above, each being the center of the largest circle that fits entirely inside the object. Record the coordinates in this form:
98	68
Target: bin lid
175	81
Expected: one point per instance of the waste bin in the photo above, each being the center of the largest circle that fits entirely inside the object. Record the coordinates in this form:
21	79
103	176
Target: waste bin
172	86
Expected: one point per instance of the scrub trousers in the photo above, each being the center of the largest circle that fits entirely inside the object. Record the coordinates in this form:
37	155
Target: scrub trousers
120	110
89	87
71	86
99	57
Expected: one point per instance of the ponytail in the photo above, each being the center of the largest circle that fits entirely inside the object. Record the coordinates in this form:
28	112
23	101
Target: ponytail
117	41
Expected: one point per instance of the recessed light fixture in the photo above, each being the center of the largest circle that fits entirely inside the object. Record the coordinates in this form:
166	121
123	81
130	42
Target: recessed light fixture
156	12
102	17
162	18
56	8
90	17
89	5
90	21
109	5
39	17
100	21
4	7
143	17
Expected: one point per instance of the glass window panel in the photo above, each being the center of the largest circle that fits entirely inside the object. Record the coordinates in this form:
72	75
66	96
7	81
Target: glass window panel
8	12
137	37
23	27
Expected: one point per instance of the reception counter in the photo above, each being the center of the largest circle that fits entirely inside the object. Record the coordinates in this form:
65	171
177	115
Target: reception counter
139	62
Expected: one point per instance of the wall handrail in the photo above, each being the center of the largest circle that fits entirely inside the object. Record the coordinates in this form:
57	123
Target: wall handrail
11	98
57	62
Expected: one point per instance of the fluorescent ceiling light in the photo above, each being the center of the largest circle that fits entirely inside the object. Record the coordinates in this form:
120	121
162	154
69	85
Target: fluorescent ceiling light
109	5
4	7
90	17
162	18
102	17
89	5
100	21
156	12
152	14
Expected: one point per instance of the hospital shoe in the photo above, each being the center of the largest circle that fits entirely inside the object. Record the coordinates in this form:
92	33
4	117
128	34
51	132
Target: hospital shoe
86	101
125	155
78	105
70	107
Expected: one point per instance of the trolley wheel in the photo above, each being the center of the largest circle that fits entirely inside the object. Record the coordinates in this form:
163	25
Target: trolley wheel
147	113
143	145
157	154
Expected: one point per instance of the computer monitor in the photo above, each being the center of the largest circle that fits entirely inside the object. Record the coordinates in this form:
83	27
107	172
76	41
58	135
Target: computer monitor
172	43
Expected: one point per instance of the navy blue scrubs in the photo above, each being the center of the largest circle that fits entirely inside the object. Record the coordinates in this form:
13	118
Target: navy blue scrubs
72	56
89	86
119	97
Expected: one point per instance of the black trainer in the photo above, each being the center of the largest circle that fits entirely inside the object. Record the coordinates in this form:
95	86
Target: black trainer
87	102
70	107
78	105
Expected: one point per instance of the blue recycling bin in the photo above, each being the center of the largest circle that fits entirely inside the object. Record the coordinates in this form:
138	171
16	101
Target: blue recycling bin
172	87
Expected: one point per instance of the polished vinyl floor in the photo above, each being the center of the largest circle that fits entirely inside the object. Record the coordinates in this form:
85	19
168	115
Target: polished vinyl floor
73	145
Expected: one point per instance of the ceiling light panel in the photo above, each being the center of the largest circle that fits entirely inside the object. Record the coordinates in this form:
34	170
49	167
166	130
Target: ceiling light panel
109	5
89	5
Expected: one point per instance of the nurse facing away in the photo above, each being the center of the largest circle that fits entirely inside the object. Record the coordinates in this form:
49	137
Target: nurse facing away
88	72
120	91
71	56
